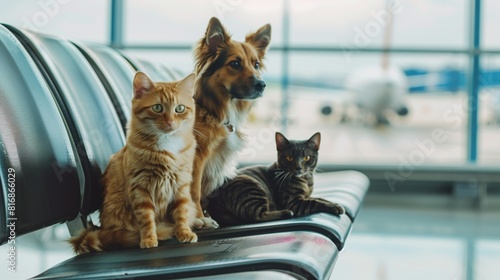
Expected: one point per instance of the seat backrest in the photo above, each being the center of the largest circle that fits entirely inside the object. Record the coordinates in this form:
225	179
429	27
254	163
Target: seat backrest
173	74
116	72
40	173
154	70
100	132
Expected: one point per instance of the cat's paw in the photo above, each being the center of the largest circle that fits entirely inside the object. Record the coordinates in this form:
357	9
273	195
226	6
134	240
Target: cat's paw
187	237
149	242
337	209
285	214
205	223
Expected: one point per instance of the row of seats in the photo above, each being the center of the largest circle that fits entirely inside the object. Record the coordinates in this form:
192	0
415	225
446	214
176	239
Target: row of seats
63	112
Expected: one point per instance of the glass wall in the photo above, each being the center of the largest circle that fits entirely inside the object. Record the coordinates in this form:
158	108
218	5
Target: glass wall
185	22
329	43
331	46
490	22
79	20
361	24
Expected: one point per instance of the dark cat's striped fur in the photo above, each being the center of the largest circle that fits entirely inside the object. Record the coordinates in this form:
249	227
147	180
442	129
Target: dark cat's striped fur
279	191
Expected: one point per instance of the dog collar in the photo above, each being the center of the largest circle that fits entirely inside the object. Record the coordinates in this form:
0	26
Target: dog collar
229	127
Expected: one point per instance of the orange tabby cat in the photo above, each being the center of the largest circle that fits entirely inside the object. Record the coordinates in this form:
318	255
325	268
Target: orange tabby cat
147	183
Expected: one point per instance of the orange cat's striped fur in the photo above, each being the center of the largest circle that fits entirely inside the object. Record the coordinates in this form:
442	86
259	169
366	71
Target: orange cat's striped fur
147	183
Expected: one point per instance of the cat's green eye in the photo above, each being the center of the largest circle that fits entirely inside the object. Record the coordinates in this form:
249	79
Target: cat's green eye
307	158
180	108
289	158
157	108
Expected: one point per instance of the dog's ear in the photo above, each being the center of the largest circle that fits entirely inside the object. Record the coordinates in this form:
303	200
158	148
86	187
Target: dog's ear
216	35
260	39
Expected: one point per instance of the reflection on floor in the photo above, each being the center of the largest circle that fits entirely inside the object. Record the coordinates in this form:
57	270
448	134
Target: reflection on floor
421	240
394	237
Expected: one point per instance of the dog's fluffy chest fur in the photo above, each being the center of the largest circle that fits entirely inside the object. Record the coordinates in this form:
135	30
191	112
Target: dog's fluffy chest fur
222	164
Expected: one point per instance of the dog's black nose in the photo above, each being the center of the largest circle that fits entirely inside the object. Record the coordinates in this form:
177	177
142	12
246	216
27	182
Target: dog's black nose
259	85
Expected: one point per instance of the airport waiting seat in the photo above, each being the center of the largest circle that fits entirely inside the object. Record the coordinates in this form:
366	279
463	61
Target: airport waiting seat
155	70
39	167
115	73
346	187
80	123
303	255
86	104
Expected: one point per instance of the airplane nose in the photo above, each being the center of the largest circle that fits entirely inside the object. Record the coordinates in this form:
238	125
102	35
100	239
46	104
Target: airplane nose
403	111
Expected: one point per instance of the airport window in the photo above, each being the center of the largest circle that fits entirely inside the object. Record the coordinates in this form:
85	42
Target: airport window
361	23
161	23
490	23
61	17
425	121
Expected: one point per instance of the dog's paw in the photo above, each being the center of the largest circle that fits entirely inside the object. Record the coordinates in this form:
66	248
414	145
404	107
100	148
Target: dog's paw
149	242
205	223
187	237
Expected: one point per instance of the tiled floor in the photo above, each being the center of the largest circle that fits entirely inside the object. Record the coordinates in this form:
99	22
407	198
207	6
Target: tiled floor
421	241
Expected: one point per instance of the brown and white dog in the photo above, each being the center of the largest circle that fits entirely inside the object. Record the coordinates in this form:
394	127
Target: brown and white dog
228	81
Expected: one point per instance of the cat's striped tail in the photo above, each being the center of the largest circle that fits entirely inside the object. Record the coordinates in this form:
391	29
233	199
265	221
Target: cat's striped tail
96	239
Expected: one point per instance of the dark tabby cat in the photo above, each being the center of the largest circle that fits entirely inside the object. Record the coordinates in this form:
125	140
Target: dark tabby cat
279	191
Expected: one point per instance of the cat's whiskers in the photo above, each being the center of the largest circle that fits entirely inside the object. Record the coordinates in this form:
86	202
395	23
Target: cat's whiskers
147	132
278	177
284	177
289	176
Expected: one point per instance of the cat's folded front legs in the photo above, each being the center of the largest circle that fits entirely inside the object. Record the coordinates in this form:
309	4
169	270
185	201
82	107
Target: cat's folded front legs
333	208
304	206
340	208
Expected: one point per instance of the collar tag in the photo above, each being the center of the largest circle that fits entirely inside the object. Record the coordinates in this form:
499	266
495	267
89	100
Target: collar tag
229	128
